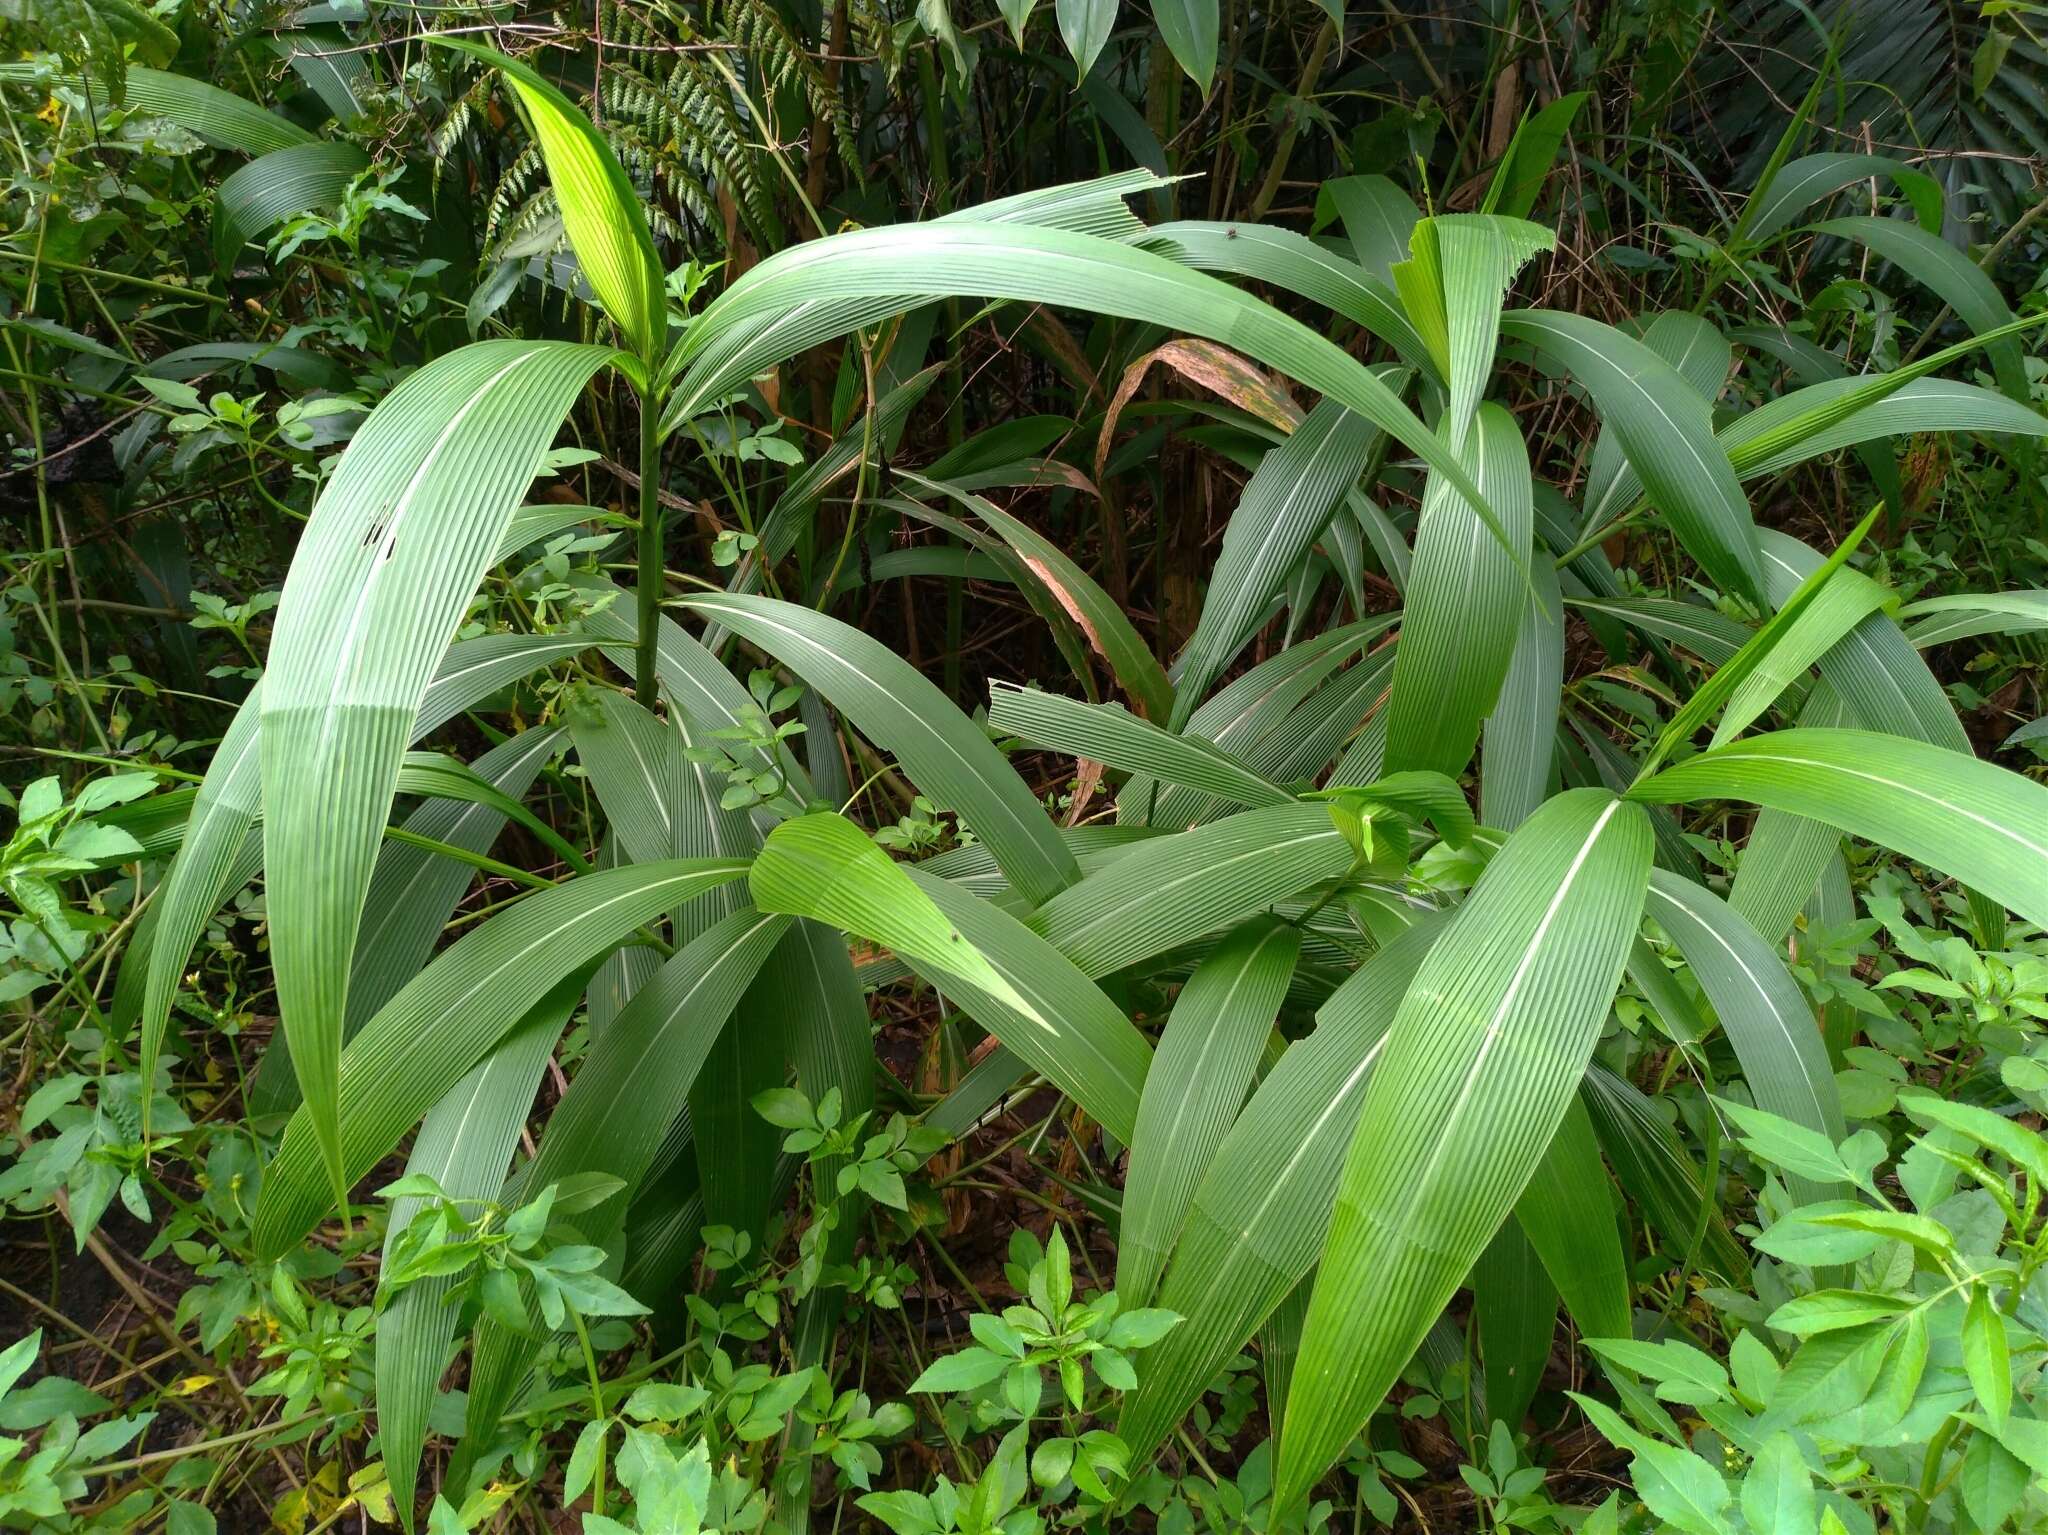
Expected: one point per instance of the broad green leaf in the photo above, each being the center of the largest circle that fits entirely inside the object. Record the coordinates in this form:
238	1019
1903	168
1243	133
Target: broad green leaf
1809	363
1759	443
636	764
1479	1069
1987	1356
282	184
823	867
2022	1147
1701	356
1289	260
226	853
811	982
1992	1481
1882	679
890	702
1247	714
1676	1485
1658	1173
1783	861
1520	735
1460	267
385	569
465	1145
2025	1438
1108	734
722	362
1090	1049
1305	740
307	368
441	1023
694	682
648	1059
412	895
1168	891
227	806
1762	1010
1707	632
220	117
1018	14
1516	1307
1518	180
1085	26
1378	219
1959	281
1837	607
1801	183
1286	504
1465	601
1758	648
736	1150
1833	405
1207	1055
1831	1310
1263	1207
1663	427
339	73
474	669
1188	28
18	1358
1969	614
885	270
660	803
1107	627
1986	826
1279	1342
602	212
1567	1213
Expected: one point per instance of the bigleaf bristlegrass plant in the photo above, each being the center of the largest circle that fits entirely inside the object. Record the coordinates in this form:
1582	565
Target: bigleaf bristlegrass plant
1299	832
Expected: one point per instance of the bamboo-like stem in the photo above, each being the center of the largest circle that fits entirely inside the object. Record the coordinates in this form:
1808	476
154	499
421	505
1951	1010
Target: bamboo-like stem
651	579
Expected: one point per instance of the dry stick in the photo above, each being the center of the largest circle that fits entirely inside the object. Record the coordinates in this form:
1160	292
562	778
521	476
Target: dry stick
181	1403
241	1436
146	1304
85	1337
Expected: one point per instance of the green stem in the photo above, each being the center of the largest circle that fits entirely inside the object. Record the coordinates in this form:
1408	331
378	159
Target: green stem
650	548
597	1405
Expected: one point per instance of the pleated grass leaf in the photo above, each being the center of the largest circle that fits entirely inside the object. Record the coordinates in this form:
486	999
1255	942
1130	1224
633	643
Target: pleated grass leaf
385	569
1173	890
1111	735
441	1023
601	211
1762	1010
894	705
464	1145
1200	1075
1983	824
823	867
1464	604
649	1058
1480	1066
1261	1211
889	269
